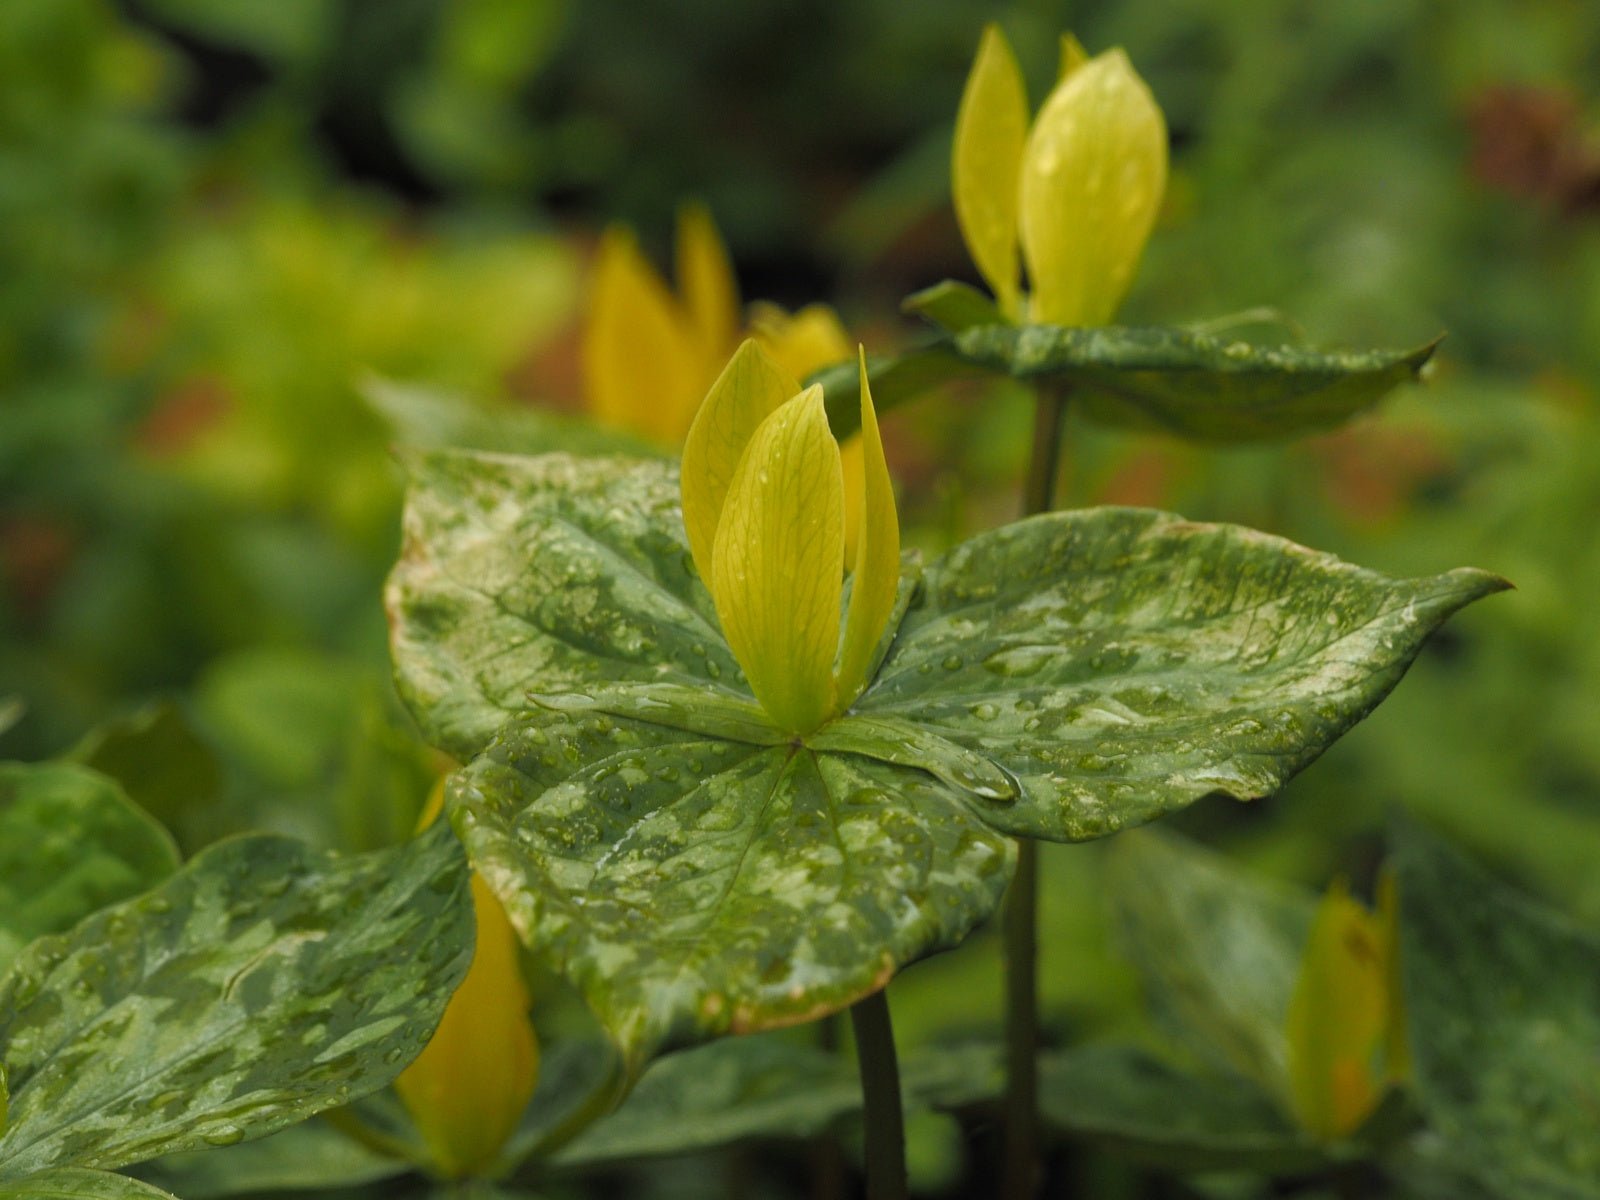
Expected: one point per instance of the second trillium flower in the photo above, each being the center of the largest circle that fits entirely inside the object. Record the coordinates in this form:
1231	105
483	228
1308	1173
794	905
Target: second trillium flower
1077	192
764	500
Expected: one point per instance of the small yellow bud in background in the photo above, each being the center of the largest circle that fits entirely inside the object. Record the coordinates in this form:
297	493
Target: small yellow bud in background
1078	192
1345	1025
468	1089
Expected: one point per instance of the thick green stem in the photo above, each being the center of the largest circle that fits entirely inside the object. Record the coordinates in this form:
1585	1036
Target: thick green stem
1020	920
880	1096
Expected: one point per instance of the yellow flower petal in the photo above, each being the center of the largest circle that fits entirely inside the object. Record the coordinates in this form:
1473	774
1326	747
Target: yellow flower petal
1337	1017
776	563
641	363
1073	56
749	389
707	283
800	342
986	161
468	1089
1093	175
877	562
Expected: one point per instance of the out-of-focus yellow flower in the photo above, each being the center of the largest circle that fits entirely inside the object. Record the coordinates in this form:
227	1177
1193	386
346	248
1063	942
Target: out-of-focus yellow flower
764	495
650	355
467	1091
1077	192
1346	1022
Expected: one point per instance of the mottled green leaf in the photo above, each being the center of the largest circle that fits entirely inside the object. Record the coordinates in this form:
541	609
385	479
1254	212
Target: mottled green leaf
767	1087
1122	663
264	982
692	886
1503	999
545	575
70	842
1125	1100
1194	385
426	418
71	1183
953	306
1218	951
307	1156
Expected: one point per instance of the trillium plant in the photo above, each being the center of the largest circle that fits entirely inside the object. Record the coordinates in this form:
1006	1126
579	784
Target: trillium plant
727	757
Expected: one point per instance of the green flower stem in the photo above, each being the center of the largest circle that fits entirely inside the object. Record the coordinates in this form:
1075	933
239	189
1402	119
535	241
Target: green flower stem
880	1094
1020	921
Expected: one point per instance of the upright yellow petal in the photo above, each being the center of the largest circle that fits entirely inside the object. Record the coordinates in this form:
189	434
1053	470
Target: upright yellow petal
800	342
877	563
1337	1017
707	283
749	389
641	362
1073	56
852	461
1093	175
776	564
467	1090
985	162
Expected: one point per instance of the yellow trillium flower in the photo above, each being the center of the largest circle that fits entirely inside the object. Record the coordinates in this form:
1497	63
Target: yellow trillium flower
1346	1026
764	499
1077	192
468	1089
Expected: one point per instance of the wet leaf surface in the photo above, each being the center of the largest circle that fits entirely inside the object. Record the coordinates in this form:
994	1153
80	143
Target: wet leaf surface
264	982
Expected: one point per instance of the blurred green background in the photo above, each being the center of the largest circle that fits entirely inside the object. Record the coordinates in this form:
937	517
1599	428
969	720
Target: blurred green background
218	218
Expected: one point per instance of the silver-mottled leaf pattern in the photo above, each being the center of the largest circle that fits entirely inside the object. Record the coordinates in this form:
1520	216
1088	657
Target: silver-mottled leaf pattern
70	842
264	982
692	886
1122	663
73	1183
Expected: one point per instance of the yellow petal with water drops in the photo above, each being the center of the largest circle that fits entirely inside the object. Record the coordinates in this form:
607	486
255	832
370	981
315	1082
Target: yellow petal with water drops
1397	1036
776	564
985	162
707	284
749	390
1337	1017
642	369
1093	176
877	562
1073	56
800	342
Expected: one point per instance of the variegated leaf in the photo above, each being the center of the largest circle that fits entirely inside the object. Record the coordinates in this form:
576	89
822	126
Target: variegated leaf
264	982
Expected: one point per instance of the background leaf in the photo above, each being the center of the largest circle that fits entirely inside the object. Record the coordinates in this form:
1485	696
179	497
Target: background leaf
1503	999
70	842
310	1155
1218	951
263	983
1122	663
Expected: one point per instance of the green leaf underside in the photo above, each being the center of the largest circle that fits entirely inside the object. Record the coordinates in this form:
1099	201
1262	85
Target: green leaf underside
264	982
1218	951
1062	678
1503	1004
1193	385
692	886
70	842
767	1088
70	1183
308	1156
953	306
1123	1099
